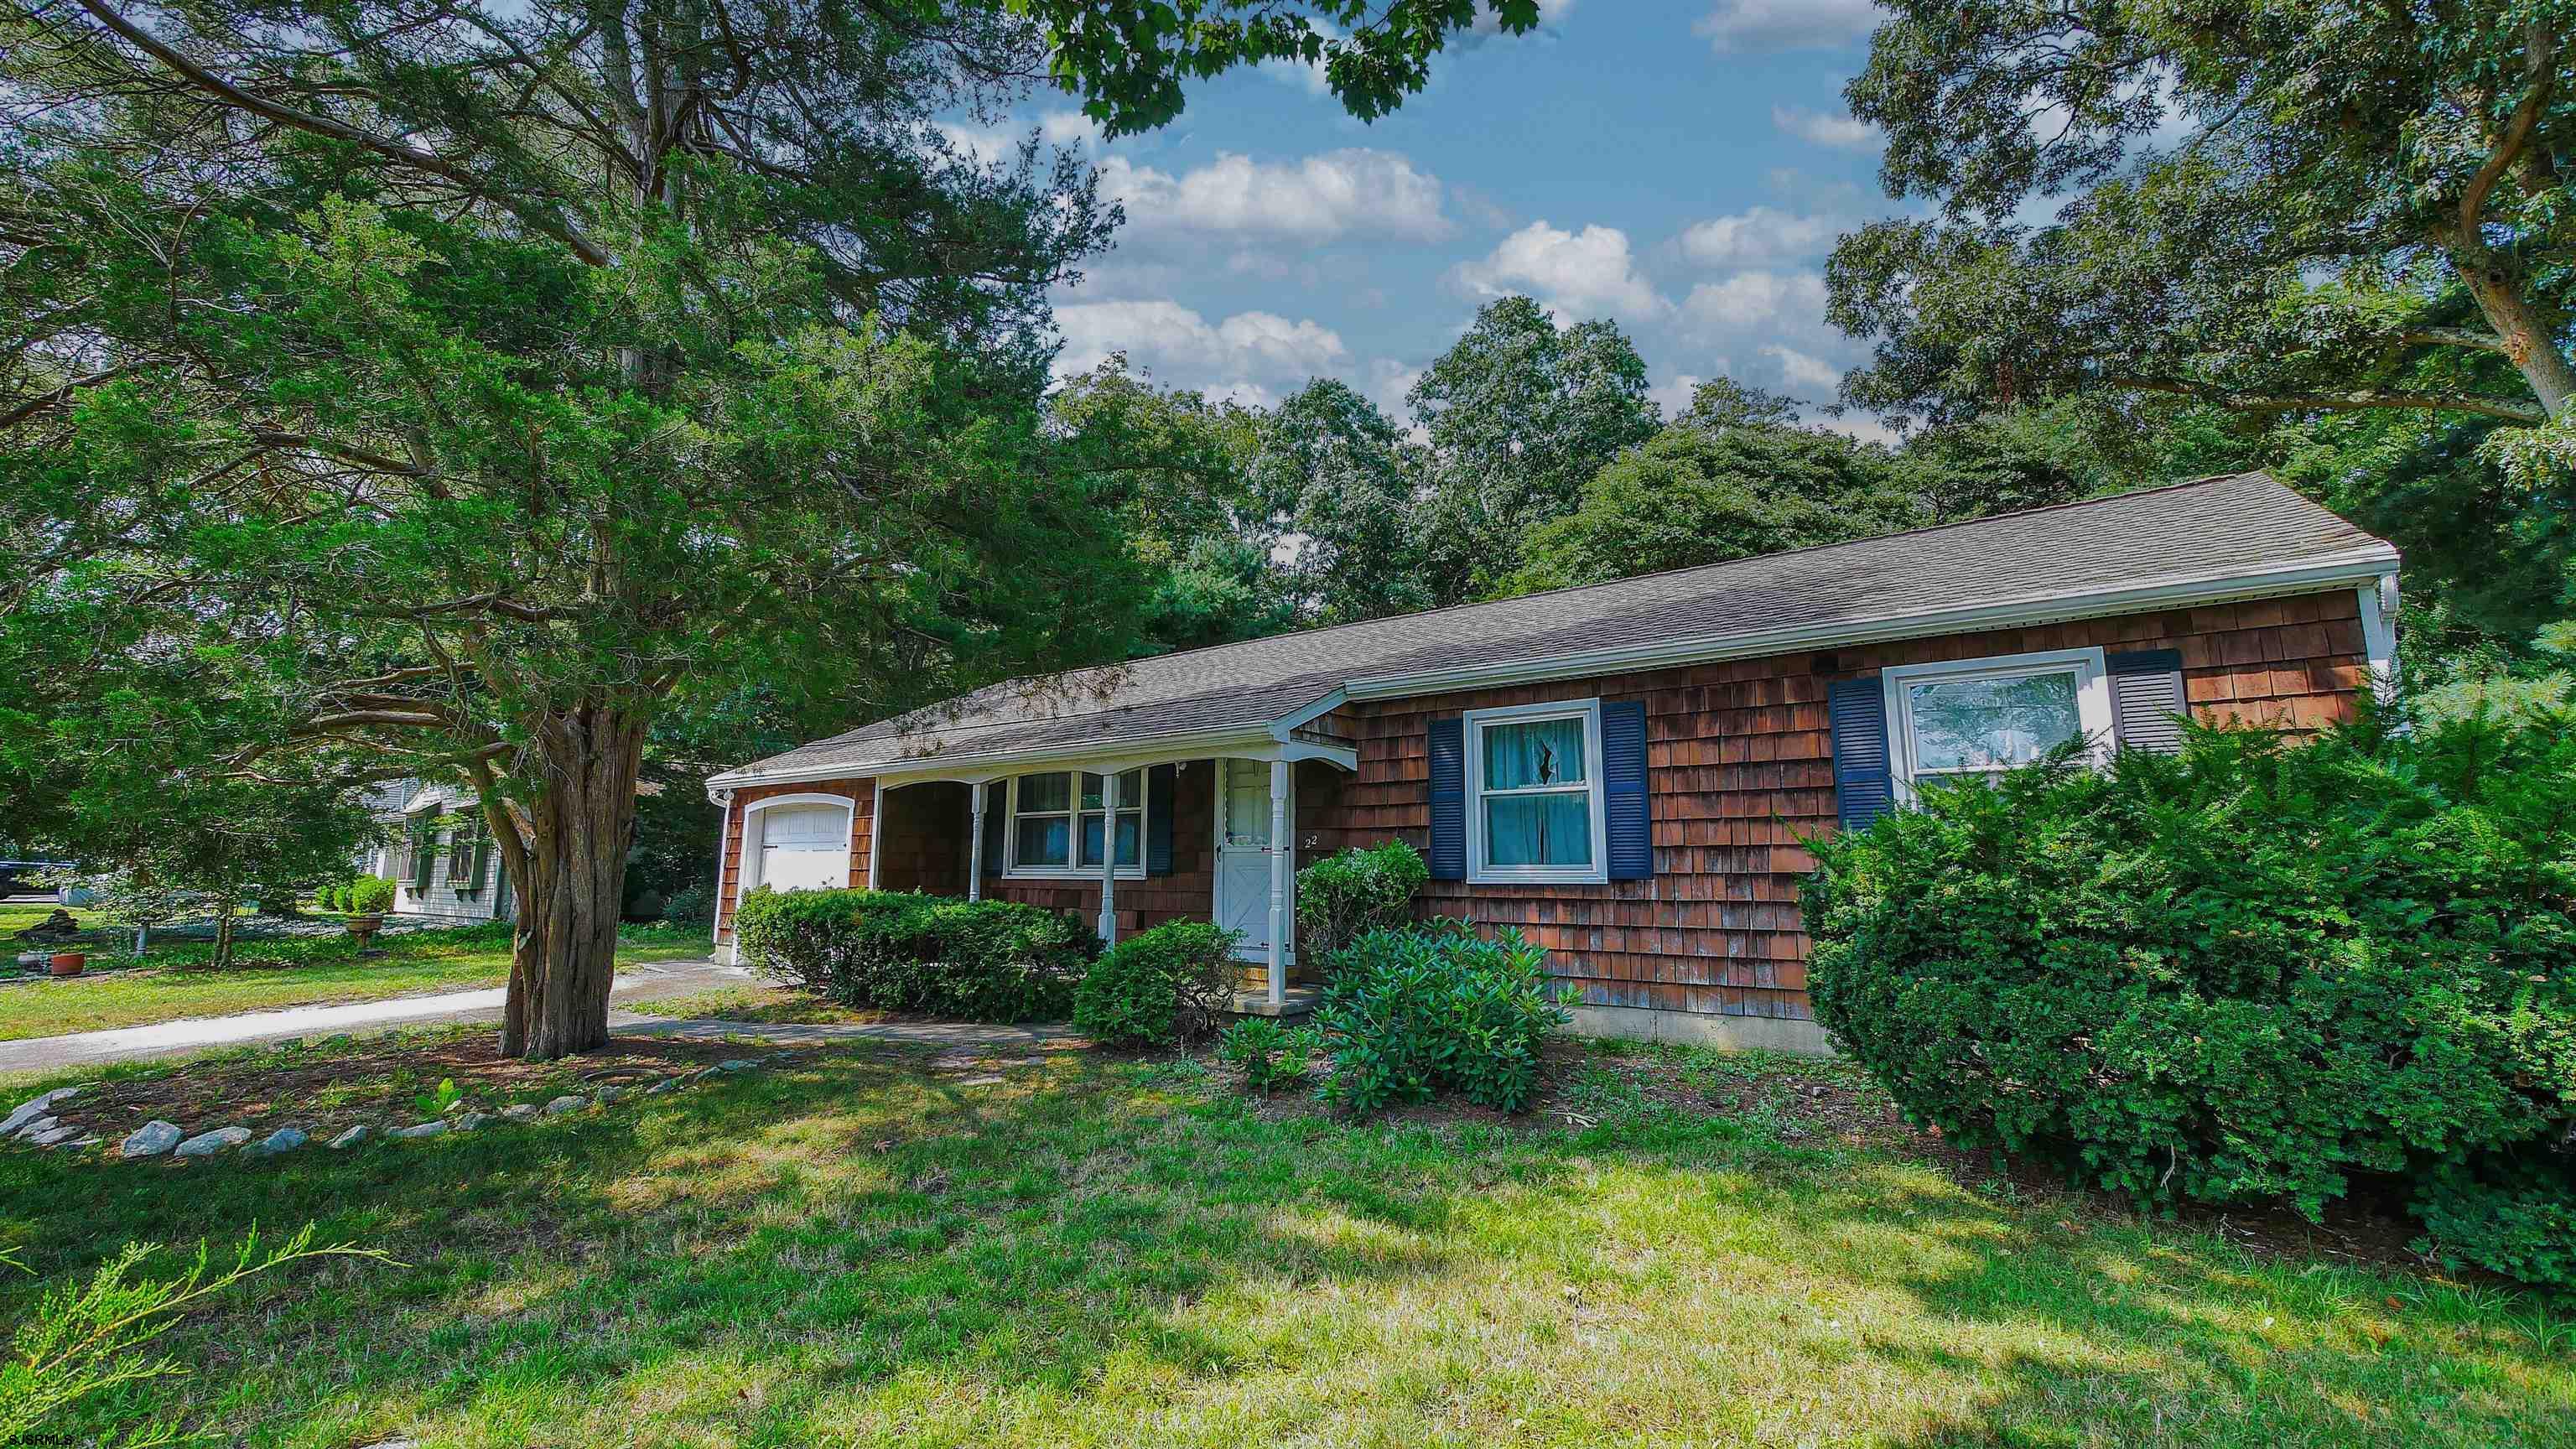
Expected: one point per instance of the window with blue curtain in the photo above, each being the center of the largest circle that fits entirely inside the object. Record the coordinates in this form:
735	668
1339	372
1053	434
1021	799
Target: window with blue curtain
1537	804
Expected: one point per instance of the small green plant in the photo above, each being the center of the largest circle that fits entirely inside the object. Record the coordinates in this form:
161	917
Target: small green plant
438	1103
1344	897
1415	1013
1167	984
86	1339
370	895
1270	1054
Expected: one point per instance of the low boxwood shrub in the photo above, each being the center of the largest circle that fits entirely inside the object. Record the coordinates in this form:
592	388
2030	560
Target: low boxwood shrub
1344	897
905	951
369	895
1171	983
1270	1054
1414	1013
2255	971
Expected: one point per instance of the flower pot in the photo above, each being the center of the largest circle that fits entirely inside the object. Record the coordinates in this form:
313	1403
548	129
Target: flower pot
69	963
363	927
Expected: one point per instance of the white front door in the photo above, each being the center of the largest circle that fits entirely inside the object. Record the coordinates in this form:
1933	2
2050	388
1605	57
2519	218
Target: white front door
1243	853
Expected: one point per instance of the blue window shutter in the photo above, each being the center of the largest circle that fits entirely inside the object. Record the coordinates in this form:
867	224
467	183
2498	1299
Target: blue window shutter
1449	799
1864	788
1158	818
997	805
2147	701
1623	773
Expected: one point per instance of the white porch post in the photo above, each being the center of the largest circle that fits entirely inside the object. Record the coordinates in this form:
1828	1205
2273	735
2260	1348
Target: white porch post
975	851
1279	852
1108	850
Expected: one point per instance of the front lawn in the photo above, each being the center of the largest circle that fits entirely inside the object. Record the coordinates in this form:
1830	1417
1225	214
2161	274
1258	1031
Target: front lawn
174	983
1074	1248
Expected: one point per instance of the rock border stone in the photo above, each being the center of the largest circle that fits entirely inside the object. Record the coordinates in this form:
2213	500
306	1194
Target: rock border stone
34	1123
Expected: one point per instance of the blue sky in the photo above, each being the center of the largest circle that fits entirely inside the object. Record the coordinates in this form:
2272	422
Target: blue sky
1680	168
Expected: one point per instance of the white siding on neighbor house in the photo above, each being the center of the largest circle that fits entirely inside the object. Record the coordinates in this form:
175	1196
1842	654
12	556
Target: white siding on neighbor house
478	896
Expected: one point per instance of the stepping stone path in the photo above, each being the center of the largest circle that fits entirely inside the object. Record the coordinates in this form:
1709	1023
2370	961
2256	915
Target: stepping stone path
32	1121
207	1144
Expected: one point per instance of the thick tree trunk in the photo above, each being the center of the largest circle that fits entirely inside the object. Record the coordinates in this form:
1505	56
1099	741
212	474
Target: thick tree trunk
2530	344
572	884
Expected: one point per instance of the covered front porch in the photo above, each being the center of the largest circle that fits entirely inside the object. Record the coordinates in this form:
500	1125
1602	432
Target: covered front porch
1128	840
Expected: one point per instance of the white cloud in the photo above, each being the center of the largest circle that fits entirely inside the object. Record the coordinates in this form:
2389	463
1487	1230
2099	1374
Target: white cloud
1582	274
1757	237
1824	128
1248	354
1069	128
1862	427
1756	26
1674	397
1804	369
1758	299
1318	198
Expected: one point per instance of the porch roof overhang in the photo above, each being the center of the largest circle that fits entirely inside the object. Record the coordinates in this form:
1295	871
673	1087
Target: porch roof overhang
1277	740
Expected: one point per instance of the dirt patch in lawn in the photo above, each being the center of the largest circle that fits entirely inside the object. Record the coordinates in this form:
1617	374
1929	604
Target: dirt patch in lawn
382	1085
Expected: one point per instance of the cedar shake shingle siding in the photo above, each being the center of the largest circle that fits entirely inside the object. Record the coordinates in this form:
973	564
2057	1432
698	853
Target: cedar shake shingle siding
1740	771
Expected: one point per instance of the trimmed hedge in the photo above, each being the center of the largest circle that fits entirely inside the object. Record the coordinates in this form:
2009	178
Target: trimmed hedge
1344	897
1167	984
1418	1012
369	895
903	951
2251	972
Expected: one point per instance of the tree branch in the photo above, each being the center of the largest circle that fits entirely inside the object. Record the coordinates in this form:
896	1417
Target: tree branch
2354	400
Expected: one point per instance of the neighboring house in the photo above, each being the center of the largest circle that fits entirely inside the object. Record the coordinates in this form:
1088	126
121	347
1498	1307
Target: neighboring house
1627	773
438	853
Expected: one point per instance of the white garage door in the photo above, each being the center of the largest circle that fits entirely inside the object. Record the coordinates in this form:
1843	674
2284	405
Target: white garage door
805	847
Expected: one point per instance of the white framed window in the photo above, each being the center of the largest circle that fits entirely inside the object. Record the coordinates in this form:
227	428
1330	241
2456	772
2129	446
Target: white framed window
1972	719
1058	828
1534	795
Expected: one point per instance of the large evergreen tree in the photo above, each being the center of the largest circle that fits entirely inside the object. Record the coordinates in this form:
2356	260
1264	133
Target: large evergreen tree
446	386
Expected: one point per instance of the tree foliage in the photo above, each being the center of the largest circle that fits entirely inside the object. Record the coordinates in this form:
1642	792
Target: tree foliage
2367	211
461	389
1341	476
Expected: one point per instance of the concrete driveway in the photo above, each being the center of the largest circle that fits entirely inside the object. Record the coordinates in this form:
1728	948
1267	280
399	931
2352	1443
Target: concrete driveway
195	1034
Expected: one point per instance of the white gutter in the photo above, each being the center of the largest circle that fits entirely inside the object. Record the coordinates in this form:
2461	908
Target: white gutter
2177	591
2357	567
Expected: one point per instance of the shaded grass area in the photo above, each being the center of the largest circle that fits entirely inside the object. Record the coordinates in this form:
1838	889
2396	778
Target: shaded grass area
174	983
16	916
856	1248
776	1004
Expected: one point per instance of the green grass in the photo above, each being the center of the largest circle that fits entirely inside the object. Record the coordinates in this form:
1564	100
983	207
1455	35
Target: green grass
775	1004
19	915
851	1249
268	975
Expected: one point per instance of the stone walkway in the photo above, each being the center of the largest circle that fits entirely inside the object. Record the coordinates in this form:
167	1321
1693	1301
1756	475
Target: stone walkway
196	1034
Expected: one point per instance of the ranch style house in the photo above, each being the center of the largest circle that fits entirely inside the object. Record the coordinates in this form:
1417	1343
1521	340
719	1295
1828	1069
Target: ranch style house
1628	773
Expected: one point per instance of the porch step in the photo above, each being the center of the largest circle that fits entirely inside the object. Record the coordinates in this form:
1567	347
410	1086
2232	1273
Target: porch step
1300	1003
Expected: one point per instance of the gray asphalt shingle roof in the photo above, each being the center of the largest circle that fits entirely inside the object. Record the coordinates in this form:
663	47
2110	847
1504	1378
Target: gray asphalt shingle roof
2214	526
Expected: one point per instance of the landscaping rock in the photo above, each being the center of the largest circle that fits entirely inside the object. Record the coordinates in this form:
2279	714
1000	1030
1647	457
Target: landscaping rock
35	1107
607	1096
207	1144
85	1140
59	1134
352	1137
152	1139
420	1129
984	1081
735	1064
700	1075
284	1139
666	1085
561	1105
520	1112
468	1121
37	1126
